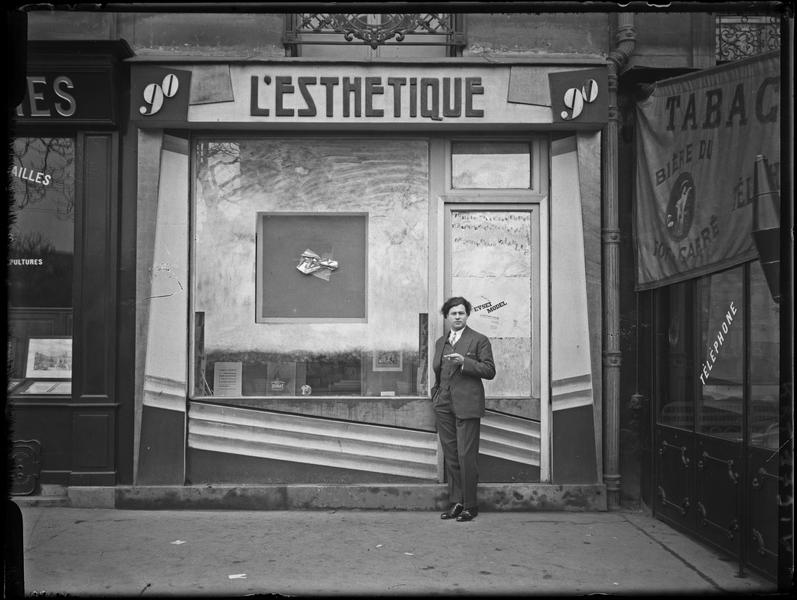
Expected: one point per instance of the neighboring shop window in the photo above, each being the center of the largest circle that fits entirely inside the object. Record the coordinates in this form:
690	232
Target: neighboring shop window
480	165
40	260
310	267
765	359
721	374
705	344
675	361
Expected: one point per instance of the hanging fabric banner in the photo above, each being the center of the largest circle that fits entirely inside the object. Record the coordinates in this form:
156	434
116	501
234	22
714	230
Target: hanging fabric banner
698	136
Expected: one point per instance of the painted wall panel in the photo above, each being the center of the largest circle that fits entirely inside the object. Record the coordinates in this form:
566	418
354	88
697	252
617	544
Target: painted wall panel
162	308
574	451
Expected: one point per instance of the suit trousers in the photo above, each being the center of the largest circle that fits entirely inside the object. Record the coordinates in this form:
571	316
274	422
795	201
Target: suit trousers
460	441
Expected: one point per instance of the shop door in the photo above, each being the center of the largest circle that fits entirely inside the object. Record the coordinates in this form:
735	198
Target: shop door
716	414
492	258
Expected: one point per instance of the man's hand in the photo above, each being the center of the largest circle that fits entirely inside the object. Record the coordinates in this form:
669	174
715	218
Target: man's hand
455	358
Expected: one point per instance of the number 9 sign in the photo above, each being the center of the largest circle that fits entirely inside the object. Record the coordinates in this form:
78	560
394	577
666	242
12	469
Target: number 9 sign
574	99
154	94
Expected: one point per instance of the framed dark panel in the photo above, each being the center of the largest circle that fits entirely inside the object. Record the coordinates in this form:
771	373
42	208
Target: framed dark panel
312	267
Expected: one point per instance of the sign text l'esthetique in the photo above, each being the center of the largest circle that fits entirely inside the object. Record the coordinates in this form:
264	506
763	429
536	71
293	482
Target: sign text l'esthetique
433	98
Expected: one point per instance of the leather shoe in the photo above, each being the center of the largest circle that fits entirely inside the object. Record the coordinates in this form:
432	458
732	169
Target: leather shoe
453	511
468	514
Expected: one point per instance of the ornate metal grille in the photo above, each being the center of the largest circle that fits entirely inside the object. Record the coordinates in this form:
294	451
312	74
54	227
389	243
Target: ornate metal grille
374	30
745	36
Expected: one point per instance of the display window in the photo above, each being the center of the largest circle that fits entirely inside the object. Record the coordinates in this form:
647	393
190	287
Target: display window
41	244
765	362
310	262
717	356
721	373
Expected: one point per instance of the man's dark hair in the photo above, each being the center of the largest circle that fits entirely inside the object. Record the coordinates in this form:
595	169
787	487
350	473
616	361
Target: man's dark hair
455	301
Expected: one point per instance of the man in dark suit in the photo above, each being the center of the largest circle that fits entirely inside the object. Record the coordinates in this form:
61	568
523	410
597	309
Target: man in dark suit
462	358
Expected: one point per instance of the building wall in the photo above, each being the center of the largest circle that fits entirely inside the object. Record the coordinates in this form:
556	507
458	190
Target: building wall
538	34
664	39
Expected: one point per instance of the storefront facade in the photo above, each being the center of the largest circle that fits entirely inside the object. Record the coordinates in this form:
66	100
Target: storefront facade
62	295
707	239
281	230
300	222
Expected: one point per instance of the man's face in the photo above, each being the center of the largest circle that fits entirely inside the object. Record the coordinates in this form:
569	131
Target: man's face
457	317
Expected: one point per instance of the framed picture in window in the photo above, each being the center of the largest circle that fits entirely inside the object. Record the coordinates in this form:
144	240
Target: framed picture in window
392	360
311	267
49	358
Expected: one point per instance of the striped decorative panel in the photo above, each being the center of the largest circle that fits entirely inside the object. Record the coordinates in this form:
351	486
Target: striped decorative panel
163	392
311	440
510	438
571	392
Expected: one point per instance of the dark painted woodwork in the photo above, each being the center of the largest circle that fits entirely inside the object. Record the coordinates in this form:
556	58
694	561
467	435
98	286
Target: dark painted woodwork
93	446
78	433
126	312
158	440
95	265
573	446
704	489
675	493
499	470
763	492
718	483
49	421
98	79
94	343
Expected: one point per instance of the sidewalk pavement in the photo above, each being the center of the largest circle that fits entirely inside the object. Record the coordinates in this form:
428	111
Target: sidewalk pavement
113	552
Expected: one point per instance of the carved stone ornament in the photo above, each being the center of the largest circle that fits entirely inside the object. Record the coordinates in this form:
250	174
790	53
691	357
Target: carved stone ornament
27	467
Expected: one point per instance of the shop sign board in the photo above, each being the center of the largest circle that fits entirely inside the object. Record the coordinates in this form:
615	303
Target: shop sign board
290	93
79	96
698	137
579	96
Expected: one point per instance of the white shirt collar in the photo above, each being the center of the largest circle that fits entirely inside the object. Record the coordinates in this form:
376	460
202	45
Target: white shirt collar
456	335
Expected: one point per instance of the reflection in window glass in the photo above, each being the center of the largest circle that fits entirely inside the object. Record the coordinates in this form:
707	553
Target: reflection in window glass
41	240
765	361
675	364
378	188
40	260
491	165
719	409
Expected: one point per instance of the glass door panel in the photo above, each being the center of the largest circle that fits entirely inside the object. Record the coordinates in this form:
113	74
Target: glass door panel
492	262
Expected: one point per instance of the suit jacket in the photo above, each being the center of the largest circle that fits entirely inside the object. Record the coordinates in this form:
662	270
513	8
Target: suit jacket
467	389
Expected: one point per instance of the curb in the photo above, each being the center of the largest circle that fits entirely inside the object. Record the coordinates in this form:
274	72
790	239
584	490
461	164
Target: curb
492	497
